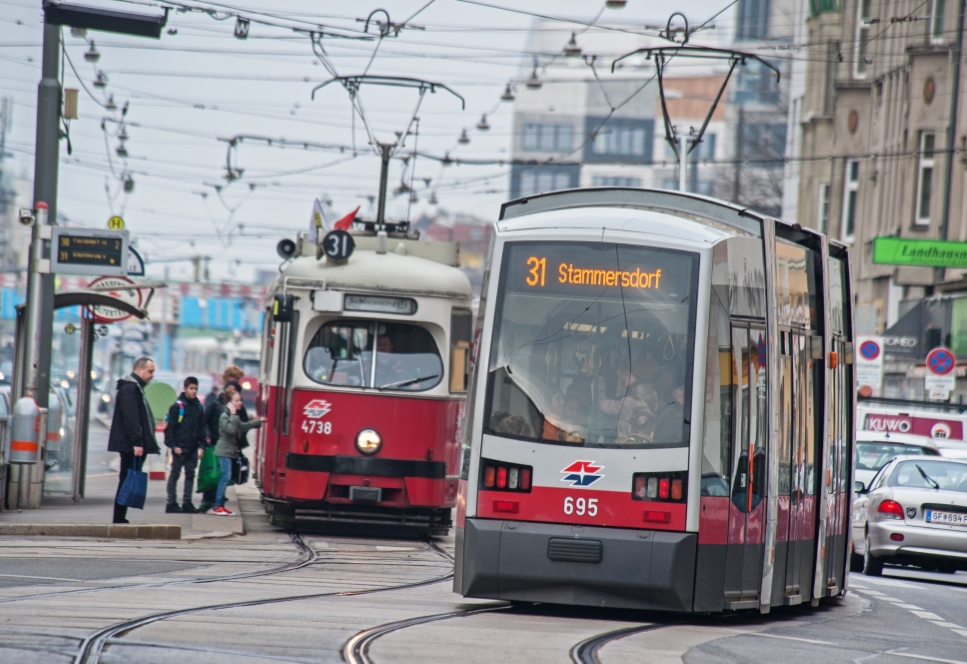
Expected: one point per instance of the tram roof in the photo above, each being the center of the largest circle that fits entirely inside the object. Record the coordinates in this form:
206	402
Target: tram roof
386	273
671	202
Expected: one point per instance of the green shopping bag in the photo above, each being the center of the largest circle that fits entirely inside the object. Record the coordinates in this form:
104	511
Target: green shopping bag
209	471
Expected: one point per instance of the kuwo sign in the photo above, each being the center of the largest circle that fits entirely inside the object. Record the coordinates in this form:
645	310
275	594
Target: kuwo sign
914	424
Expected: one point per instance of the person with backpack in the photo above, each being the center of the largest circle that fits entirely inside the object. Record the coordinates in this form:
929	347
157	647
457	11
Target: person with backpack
186	434
231	430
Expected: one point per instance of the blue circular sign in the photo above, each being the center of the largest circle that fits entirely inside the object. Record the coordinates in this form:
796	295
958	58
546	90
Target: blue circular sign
870	350
940	361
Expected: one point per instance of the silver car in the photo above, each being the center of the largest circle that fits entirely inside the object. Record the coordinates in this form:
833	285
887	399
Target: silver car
914	512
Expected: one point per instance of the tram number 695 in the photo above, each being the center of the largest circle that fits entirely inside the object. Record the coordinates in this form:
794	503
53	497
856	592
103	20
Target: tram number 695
316	427
580	506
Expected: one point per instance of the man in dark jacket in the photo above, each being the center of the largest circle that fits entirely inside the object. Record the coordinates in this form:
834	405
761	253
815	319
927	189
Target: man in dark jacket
186	435
132	428
213	412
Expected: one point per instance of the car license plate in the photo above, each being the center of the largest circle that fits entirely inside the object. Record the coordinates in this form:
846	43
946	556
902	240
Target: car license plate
949	518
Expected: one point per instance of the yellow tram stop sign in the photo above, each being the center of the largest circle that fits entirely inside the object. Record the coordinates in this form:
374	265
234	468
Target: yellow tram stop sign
115	223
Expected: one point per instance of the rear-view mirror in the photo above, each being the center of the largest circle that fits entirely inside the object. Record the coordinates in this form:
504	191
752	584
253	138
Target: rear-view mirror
859	487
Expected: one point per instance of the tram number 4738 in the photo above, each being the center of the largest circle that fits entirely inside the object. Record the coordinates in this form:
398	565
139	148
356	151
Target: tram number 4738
581	506
309	426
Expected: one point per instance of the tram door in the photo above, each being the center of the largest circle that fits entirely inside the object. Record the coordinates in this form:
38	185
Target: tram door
796	461
743	566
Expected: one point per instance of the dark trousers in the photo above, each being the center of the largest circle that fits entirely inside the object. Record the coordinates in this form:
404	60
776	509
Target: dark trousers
189	461
127	463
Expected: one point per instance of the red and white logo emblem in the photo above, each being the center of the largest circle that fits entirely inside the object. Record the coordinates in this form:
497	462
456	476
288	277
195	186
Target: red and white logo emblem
582	473
316	409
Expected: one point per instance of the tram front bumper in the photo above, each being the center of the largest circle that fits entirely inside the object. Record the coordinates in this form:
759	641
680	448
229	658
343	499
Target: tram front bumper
578	565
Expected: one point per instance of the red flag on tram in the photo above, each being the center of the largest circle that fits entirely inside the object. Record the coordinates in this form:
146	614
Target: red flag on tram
346	222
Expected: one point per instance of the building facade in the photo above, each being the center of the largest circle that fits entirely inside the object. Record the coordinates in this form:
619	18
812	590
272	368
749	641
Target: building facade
883	140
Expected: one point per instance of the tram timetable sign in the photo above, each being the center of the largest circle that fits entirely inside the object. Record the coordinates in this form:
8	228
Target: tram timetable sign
922	253
89	251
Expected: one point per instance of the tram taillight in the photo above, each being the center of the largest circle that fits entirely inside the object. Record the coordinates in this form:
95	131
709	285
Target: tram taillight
500	476
659	486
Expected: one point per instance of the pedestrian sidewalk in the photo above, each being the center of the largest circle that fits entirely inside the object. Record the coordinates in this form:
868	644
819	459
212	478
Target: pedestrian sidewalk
97	509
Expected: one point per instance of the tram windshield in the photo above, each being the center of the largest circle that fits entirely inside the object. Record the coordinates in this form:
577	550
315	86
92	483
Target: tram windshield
593	345
341	353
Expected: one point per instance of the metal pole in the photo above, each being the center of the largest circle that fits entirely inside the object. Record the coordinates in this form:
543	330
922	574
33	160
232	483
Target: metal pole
46	163
683	162
163	353
952	131
33	314
83	407
384	153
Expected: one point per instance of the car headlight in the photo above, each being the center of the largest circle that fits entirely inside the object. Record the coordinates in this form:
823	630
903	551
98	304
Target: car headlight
368	441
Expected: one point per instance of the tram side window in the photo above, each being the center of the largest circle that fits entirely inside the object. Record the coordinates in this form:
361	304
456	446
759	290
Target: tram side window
718	404
341	353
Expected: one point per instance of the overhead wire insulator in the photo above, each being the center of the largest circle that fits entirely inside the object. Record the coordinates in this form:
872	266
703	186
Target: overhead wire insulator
464	139
109	105
483	125
616	4
101	80
128	184
121	151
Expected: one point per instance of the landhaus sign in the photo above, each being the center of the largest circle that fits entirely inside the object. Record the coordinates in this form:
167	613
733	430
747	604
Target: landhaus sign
924	253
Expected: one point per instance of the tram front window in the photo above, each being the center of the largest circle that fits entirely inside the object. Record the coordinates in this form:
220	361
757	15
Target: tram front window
341	353
593	345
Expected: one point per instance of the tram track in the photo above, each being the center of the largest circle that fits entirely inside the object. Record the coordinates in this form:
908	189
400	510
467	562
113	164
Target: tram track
586	651
93	645
309	556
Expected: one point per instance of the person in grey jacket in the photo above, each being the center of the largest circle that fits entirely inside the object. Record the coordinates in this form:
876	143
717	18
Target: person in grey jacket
230	430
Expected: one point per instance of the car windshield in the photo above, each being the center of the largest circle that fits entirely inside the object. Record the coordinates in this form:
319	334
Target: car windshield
593	345
874	455
341	353
931	474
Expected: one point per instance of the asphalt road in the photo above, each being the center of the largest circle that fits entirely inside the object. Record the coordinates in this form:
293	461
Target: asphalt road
54	594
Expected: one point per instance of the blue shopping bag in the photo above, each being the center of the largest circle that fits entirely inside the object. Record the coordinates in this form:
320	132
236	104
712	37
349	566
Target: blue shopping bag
135	488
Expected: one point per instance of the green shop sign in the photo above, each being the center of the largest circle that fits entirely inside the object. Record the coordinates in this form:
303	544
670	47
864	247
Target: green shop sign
923	253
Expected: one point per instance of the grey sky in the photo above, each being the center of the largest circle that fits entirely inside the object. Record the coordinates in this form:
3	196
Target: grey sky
188	89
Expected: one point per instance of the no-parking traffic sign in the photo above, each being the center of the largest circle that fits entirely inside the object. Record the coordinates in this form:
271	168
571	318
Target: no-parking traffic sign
869	362
940	371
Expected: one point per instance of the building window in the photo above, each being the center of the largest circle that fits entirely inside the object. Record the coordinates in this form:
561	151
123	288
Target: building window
924	178
850	195
822	222
546	138
753	20
608	181
936	21
619	140
530	179
705	149
862	37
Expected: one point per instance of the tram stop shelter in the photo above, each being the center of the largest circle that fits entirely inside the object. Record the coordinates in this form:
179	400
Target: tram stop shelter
22	486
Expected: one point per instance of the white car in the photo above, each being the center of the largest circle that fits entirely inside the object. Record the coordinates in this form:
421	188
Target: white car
915	513
952	449
875	448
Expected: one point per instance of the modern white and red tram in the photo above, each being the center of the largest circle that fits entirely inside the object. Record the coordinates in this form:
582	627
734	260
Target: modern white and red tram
661	412
364	372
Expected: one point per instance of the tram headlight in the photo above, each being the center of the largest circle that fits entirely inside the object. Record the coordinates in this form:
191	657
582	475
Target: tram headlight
368	441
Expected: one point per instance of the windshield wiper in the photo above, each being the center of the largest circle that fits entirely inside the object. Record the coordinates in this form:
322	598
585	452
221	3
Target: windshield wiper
408	382
929	479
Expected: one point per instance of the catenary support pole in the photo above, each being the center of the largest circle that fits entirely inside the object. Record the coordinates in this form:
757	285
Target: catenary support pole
45	190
